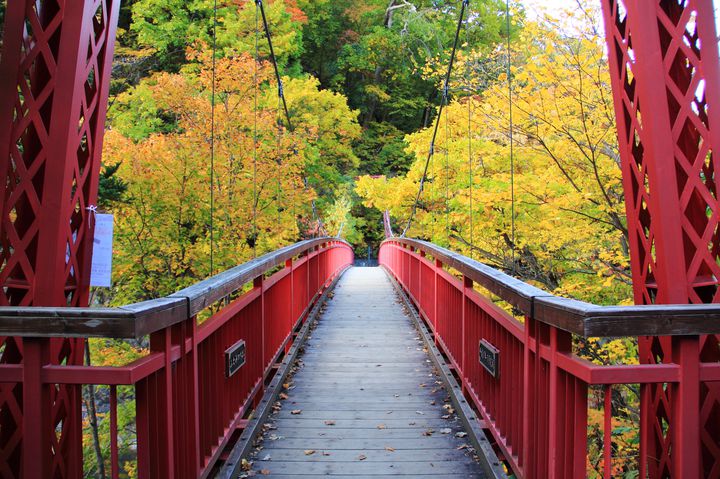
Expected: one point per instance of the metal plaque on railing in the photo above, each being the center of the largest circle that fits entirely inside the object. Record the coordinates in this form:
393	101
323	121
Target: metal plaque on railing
234	358
489	356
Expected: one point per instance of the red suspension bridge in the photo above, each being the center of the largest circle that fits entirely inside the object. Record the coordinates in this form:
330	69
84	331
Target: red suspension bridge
206	391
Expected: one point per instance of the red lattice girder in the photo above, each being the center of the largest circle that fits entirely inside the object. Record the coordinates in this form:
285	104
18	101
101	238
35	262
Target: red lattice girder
664	67
54	81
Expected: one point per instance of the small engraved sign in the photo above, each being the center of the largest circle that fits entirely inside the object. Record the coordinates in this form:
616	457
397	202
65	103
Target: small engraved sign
234	358
489	356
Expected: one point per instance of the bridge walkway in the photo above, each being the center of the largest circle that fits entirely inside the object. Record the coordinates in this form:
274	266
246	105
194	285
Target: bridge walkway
365	400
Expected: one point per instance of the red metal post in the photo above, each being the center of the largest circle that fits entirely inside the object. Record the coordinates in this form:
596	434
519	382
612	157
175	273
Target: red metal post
665	73
467	286
36	416
114	466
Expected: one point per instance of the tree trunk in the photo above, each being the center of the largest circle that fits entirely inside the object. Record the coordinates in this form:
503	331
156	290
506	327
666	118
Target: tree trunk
92	415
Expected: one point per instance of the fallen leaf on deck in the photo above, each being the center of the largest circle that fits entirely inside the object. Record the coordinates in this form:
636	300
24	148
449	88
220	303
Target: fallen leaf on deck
428	432
445	430
283	396
362	457
420	412
296	411
329	423
381	426
460	434
309	452
325	453
245	465
265	472
266	458
388	448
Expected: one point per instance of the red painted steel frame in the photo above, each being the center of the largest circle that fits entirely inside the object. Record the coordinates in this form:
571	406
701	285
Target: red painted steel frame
187	410
664	67
54	81
537	407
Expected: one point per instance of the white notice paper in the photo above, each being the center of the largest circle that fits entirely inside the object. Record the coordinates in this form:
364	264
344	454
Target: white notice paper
101	272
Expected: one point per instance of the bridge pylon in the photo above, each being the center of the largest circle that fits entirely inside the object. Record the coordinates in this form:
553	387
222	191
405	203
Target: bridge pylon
664	68
54	82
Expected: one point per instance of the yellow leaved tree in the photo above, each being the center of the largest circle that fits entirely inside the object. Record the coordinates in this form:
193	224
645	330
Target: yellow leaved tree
167	228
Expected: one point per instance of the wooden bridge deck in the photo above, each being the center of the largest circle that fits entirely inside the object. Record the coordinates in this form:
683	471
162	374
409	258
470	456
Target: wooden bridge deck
365	400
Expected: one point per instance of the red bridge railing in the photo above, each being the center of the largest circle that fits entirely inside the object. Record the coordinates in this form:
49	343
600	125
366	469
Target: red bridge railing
536	405
187	406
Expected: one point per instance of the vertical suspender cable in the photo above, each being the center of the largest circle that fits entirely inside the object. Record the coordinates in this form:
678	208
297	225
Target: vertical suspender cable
470	165
212	143
512	158
447	178
278	146
255	134
470	153
433	195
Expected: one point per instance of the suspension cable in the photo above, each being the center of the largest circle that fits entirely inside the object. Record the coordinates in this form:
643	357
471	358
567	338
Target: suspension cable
443	103
281	95
512	158
212	142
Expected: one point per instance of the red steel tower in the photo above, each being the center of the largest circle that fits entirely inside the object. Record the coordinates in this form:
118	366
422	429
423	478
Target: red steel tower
663	57
54	80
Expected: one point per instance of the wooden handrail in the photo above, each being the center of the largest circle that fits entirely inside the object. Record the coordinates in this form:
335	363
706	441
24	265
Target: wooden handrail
138	319
578	317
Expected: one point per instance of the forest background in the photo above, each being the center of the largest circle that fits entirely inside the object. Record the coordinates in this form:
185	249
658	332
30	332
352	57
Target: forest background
363	82
202	172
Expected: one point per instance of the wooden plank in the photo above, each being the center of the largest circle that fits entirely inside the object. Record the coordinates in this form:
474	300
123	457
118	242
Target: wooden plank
363	415
420	423
371	468
355	476
436	441
341	455
381	435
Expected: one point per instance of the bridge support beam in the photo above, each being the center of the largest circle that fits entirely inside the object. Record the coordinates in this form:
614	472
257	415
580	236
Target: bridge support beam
664	68
54	81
